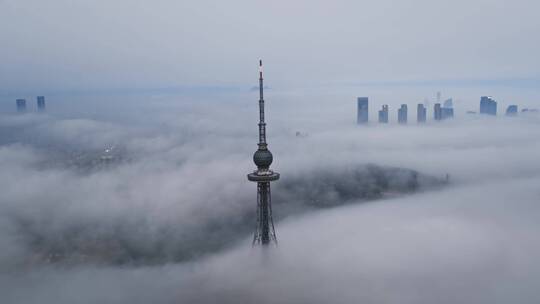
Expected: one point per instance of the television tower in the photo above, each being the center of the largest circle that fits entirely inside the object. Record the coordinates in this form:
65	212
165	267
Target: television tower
264	232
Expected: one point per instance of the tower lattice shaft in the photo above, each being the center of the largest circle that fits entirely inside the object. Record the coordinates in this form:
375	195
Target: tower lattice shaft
264	233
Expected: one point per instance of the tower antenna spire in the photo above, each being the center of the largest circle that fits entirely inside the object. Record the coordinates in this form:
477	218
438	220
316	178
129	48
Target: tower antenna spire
264	231
262	124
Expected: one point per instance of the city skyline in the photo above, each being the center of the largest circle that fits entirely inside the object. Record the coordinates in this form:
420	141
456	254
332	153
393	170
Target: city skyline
440	111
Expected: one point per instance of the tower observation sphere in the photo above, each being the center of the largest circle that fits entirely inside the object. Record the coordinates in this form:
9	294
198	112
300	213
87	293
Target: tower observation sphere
263	158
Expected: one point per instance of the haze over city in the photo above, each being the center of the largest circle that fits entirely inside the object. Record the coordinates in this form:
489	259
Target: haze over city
126	181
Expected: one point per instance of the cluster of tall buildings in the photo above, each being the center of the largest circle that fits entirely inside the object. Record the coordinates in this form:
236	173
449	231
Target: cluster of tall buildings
441	111
21	104
489	106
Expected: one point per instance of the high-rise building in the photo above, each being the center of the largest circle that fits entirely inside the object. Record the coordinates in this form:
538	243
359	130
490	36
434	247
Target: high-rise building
449	103
363	114
264	232
421	113
512	110
383	114
402	114
488	105
447	111
41	103
21	105
437	111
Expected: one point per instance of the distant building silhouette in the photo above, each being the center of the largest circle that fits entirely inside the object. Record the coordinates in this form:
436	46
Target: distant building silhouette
421	113
437	111
402	114
447	111
383	114
21	105
362	115
512	110
41	103
449	103
488	105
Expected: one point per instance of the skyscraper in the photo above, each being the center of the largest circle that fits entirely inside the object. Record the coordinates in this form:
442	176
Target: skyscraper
21	105
449	103
264	233
512	110
421	113
402	114
383	114
437	112
41	103
362	115
447	111
488	105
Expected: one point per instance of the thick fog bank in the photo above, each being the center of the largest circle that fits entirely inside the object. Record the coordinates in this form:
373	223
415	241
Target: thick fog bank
68	229
467	244
84	200
132	192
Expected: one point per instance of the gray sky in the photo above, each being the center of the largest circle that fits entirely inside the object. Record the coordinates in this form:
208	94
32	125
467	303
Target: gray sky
62	44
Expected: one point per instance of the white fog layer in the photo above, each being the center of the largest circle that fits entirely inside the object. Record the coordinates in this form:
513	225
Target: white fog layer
152	204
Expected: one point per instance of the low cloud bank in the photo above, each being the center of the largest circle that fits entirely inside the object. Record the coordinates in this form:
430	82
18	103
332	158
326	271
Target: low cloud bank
174	190
468	243
99	192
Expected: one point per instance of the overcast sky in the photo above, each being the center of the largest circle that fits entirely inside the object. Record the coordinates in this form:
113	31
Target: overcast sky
64	44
